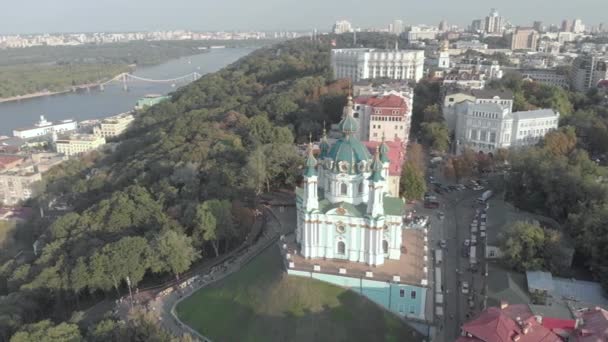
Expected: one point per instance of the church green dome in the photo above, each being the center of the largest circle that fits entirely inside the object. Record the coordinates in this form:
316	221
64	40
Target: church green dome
350	150
384	152
348	125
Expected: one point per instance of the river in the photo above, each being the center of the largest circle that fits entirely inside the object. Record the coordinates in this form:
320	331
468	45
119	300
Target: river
113	100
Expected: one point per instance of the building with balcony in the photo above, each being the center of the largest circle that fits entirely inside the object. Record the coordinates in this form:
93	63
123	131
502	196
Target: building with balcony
361	64
79	143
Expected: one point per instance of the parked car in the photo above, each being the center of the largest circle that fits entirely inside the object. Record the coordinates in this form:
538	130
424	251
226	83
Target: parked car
443	244
441	215
467	243
465	287
478	188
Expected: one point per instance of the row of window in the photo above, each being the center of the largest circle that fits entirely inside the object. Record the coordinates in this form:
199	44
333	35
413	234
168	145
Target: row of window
387	118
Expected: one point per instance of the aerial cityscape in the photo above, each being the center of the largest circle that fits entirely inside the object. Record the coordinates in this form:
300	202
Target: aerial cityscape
347	177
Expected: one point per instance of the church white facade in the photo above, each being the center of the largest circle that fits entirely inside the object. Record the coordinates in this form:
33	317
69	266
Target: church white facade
343	208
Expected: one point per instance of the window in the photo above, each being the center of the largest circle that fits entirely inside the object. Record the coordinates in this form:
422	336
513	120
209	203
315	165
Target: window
361	187
341	248
343	189
413	294
402	293
385	247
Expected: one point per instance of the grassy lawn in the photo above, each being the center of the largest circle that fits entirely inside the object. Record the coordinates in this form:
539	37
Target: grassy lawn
262	303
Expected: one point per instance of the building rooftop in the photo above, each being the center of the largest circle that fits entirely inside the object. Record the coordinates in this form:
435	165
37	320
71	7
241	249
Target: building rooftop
410	266
396	154
535	114
486	93
508	323
379	101
9	160
506	286
538	280
594	327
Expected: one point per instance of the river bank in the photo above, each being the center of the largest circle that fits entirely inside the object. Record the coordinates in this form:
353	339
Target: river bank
96	104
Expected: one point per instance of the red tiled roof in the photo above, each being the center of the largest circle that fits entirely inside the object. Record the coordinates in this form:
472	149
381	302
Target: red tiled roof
558	323
384	102
594	327
7	160
496	325
396	154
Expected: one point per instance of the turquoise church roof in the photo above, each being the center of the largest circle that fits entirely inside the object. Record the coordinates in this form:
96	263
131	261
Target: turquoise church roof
349	148
311	164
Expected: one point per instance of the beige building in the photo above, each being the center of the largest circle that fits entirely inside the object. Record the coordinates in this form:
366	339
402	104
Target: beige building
524	38
79	143
16	184
113	126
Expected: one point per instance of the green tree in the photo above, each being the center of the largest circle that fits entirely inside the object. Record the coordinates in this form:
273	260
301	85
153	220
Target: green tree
523	246
412	183
45	331
173	252
436	135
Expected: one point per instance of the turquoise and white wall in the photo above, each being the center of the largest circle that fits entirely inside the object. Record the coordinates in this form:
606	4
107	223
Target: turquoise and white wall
402	299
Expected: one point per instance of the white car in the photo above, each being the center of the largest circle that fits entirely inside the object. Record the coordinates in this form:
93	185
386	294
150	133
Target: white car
465	287
467	243
478	188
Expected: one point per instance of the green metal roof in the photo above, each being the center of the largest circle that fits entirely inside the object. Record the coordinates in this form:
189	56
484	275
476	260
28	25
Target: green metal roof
348	125
394	206
384	152
311	164
351	150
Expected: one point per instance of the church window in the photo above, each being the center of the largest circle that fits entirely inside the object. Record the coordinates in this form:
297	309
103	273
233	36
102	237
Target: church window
413	294
385	247
341	248
361	187
343	189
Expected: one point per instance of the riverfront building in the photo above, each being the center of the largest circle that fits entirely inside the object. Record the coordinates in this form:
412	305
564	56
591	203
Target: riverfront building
350	232
44	128
113	126
150	100
360	64
79	144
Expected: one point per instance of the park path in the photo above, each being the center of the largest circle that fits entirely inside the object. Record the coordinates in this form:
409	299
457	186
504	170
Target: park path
163	304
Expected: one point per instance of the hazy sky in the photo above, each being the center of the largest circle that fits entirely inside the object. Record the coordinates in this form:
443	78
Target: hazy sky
23	16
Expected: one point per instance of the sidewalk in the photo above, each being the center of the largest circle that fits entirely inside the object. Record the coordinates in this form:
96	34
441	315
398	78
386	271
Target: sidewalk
163	305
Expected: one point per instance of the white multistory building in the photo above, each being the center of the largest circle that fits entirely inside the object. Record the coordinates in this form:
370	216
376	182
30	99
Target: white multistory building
363	63
44	128
342	26
485	127
452	102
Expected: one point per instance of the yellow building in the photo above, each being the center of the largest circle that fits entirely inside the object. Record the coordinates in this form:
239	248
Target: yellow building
79	143
113	126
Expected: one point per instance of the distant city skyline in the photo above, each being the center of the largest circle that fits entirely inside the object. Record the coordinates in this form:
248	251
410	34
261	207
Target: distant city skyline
40	16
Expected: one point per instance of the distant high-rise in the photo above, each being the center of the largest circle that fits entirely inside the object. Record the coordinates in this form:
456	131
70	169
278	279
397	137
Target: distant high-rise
566	25
494	22
443	26
478	25
397	27
588	71
342	26
578	26
538	26
524	38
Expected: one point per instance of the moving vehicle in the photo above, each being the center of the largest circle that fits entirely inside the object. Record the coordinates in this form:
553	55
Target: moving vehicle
431	204
443	244
478	188
465	287
467	243
441	215
438	256
485	196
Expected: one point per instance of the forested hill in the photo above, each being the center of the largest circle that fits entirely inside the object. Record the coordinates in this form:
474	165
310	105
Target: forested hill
177	189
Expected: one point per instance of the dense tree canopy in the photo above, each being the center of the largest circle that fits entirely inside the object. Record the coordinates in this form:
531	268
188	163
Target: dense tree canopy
177	186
